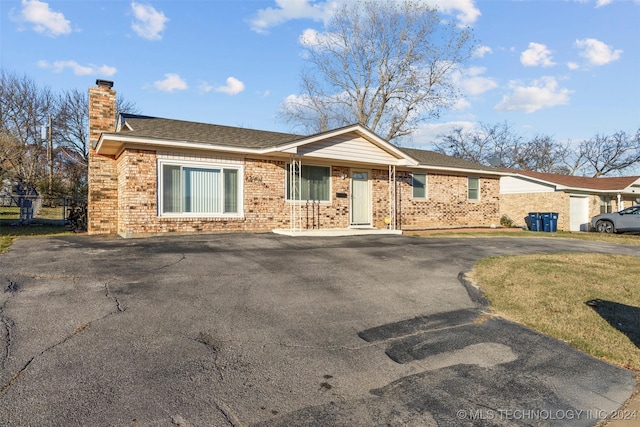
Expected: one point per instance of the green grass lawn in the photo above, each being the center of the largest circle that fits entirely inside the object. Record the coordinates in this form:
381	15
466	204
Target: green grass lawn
621	239
591	301
48	222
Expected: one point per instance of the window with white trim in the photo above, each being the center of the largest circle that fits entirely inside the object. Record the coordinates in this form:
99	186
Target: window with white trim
605	204
199	189
419	184
473	188
310	183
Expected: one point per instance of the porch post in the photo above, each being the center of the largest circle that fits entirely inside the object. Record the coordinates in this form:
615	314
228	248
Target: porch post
392	197
295	193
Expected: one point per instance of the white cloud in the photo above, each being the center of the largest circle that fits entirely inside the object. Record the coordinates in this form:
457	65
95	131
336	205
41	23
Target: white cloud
481	51
471	82
149	22
601	3
597	52
171	83
537	55
573	65
311	38
286	10
461	104
44	20
429	133
543	93
294	99
233	86
205	87
465	10
77	69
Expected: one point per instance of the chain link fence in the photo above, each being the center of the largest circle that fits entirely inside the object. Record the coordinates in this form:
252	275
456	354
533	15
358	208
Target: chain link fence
30	209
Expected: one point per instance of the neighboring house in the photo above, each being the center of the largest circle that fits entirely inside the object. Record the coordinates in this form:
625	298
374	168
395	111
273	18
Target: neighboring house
576	199
150	175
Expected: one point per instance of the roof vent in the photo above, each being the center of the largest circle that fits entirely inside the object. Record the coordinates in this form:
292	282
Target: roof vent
106	83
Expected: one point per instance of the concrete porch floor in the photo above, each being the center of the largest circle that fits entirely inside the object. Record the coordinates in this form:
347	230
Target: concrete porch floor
336	232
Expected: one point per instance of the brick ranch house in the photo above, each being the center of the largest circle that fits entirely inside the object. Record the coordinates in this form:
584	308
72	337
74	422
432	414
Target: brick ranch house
576	199
150	175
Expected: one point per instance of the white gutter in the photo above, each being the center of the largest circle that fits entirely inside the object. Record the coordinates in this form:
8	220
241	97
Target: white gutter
462	170
560	187
172	143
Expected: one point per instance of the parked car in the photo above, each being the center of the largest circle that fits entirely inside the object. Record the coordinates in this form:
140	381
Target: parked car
617	222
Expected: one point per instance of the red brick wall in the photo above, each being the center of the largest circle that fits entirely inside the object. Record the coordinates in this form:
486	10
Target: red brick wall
265	207
102	207
446	205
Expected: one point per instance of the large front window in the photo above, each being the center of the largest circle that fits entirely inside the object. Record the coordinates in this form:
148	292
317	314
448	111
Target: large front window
310	183
199	190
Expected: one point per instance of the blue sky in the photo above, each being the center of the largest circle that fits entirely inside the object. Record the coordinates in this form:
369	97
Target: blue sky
569	69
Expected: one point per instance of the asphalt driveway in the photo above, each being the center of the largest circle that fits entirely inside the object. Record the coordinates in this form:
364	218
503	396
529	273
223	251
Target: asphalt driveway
260	329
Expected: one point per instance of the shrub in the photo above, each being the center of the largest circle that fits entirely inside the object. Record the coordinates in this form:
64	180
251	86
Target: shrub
505	221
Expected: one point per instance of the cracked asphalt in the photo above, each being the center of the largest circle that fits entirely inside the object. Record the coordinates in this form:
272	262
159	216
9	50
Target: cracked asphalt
268	330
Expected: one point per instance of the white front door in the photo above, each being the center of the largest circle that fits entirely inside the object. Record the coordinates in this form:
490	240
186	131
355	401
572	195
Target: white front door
360	198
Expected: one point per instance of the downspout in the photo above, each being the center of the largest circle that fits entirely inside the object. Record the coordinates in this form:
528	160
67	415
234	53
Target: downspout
390	202
394	219
393	207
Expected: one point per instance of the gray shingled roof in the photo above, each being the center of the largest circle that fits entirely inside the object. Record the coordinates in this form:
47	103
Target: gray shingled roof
431	158
179	130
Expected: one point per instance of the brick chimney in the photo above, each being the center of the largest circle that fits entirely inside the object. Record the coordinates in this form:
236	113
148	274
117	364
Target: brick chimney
102	201
102	110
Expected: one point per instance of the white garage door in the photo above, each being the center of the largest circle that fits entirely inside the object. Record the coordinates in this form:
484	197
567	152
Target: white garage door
578	214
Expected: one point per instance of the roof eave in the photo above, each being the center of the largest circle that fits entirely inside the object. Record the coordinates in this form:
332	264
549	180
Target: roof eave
562	187
465	171
120	140
594	190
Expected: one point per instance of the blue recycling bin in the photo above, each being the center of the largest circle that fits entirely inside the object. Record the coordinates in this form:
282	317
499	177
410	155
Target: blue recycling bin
535	221
550	222
554	222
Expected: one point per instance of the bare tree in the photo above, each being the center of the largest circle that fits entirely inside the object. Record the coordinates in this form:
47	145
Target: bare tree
542	154
384	65
495	145
24	108
72	123
610	154
499	145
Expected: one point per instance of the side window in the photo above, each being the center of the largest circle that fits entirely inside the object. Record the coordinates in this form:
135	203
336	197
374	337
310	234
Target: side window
419	184
473	188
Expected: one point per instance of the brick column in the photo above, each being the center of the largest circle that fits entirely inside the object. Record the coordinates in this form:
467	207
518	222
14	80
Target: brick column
102	206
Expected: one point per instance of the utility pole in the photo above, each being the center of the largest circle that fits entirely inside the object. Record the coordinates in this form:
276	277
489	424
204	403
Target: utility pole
50	157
